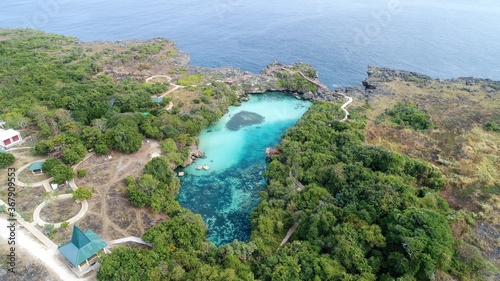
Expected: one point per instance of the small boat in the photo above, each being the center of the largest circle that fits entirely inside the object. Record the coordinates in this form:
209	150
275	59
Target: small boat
206	167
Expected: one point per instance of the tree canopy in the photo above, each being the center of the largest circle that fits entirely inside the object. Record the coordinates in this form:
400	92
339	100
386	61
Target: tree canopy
365	213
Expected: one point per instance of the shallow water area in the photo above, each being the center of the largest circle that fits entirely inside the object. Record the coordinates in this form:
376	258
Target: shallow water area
228	191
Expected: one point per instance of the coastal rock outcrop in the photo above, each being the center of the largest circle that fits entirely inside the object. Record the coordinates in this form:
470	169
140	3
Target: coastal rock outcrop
194	152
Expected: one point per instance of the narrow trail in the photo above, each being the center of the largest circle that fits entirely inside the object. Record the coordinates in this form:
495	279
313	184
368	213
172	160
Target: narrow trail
320	85
175	88
171	90
299	185
129	239
289	233
157	76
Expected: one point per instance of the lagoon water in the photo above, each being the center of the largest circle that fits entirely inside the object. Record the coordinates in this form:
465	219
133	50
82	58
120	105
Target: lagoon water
226	193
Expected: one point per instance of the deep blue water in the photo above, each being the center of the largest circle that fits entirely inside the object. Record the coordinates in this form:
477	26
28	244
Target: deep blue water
226	194
441	38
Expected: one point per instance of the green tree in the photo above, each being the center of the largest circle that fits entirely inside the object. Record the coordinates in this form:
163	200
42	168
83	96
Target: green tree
81	173
6	159
101	149
82	193
159	168
70	156
50	163
62	173
90	136
43	147
126	263
126	139
185	230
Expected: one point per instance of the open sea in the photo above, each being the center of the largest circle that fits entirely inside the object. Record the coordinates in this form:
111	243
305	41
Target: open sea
440	38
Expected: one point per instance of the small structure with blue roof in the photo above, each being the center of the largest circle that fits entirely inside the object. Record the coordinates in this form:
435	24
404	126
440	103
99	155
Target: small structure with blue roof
82	250
36	167
157	100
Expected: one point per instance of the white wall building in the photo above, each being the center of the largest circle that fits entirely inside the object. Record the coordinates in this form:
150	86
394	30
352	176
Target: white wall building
9	138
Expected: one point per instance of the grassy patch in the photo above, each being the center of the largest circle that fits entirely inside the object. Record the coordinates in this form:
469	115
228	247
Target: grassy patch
192	81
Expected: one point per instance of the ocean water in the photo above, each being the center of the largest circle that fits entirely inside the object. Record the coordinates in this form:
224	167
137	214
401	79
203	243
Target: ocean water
226	193
445	38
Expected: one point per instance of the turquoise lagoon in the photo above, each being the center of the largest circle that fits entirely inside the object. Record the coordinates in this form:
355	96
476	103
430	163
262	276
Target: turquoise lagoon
226	194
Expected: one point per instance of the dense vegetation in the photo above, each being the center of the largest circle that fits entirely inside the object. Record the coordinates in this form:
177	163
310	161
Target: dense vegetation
55	168
52	83
6	159
156	188
82	193
365	213
409	115
294	82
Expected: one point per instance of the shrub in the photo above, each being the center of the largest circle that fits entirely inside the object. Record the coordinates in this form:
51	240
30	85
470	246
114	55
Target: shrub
101	149
64	225
188	81
49	230
50	163
62	173
81	173
82	193
492	126
410	115
6	159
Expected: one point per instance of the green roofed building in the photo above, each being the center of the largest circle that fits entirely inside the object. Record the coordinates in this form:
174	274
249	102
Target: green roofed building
36	167
82	250
158	100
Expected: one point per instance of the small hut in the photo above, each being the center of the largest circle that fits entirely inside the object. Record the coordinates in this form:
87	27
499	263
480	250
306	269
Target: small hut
158	100
81	252
36	168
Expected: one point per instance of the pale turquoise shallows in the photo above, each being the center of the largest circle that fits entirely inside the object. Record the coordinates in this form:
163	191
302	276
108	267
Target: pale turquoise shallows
226	194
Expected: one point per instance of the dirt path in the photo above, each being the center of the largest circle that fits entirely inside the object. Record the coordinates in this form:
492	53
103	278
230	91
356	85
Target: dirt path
289	233
320	85
110	214
175	88
157	76
48	256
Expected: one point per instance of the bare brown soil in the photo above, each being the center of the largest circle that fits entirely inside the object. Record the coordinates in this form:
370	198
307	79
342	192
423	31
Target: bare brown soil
28	177
59	210
110	214
119	61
